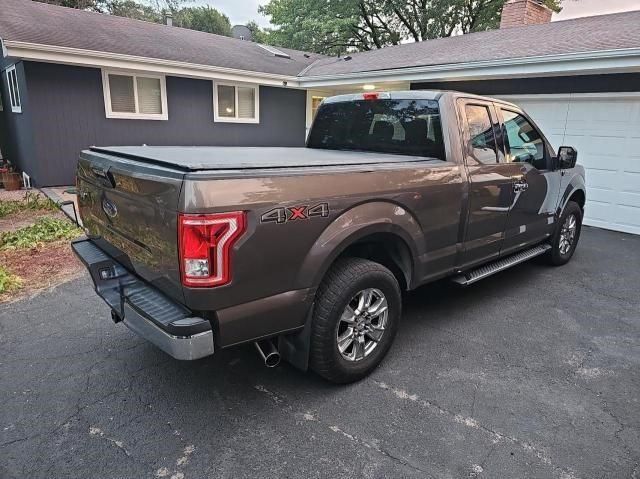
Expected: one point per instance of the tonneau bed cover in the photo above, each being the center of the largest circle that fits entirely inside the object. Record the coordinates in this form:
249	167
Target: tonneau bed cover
198	158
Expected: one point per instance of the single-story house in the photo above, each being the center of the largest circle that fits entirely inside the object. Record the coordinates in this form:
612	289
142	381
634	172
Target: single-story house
71	79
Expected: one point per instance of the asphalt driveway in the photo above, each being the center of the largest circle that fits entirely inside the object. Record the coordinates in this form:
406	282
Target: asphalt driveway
534	372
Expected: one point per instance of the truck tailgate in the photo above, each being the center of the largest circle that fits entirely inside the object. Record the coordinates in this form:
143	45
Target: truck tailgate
129	209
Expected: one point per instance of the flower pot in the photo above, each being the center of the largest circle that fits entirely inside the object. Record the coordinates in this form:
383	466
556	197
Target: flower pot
11	181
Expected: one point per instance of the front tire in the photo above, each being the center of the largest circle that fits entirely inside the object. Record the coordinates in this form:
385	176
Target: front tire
565	239
355	319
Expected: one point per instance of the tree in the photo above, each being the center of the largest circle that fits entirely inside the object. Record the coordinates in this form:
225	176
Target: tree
204	19
78	4
314	25
132	9
258	35
334	26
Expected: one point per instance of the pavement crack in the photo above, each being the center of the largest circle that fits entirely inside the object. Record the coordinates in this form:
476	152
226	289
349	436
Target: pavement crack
279	401
496	436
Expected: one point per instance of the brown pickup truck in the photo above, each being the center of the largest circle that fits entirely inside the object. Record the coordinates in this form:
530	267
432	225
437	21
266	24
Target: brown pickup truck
305	251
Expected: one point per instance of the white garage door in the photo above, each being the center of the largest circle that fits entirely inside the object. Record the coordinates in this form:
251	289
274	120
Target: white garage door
605	129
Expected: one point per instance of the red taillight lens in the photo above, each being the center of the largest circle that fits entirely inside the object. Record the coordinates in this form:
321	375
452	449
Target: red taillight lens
205	243
370	96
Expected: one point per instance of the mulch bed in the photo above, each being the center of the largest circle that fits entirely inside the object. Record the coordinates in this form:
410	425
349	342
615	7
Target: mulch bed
20	219
40	268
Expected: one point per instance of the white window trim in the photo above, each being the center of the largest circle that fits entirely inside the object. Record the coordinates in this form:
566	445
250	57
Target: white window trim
226	119
134	116
14	108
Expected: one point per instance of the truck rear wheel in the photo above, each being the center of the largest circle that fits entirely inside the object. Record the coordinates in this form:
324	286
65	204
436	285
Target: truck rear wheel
565	239
356	316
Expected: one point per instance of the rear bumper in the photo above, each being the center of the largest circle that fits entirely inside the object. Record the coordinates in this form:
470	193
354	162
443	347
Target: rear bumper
144	309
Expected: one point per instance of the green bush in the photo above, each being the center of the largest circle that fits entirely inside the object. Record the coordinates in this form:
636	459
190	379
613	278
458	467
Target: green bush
8	282
43	231
31	201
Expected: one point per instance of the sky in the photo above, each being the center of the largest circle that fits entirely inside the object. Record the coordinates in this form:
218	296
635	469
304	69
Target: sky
241	11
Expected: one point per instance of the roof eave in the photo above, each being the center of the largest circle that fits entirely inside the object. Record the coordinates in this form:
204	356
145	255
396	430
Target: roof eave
602	61
98	59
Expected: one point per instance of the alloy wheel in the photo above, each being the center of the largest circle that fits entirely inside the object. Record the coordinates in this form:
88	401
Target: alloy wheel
362	324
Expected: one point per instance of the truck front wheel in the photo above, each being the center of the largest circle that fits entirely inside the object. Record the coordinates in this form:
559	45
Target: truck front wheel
565	238
356	316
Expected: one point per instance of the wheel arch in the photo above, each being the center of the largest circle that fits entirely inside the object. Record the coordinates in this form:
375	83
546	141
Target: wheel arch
575	190
381	231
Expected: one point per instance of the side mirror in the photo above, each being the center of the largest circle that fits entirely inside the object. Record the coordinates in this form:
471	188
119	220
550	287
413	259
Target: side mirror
567	157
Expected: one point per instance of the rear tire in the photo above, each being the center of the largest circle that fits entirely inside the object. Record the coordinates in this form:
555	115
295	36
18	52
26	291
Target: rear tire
355	319
565	239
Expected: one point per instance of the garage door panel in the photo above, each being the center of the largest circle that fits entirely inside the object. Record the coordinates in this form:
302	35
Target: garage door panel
630	215
606	133
604	179
591	146
630	200
630	181
597	110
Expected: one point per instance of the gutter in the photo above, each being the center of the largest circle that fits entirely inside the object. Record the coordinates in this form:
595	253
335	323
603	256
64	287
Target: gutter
545	65
593	62
94	58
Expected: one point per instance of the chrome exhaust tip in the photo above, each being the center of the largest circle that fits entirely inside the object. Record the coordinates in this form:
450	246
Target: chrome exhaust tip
268	352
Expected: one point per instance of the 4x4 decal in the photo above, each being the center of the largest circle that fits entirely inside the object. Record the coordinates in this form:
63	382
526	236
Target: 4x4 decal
293	213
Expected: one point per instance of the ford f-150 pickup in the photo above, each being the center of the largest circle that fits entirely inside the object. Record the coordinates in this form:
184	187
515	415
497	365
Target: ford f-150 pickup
305	251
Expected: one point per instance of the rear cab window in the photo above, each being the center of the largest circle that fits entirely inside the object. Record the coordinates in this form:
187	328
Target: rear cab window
396	126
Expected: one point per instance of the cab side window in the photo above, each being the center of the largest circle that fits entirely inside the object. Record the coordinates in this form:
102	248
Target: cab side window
482	142
523	142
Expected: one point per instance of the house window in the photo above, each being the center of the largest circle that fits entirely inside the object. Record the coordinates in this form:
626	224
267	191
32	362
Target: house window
12	88
134	96
237	103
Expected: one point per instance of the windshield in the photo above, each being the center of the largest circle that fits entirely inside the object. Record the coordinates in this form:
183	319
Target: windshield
403	127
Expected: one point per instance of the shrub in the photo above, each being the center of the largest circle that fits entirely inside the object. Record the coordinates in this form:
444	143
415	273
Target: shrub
43	231
31	201
8	282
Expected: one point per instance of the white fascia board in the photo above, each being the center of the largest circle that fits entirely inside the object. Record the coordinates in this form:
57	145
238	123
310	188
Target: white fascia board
91	58
554	97
584	63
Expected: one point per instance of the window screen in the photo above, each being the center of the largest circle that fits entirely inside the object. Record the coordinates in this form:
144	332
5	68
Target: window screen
226	101
123	98
246	102
149	95
14	92
236	103
131	96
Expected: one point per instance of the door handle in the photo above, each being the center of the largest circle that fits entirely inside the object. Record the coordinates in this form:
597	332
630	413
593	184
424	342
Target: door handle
520	185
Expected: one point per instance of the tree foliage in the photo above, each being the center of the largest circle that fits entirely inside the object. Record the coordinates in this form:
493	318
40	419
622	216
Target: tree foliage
202	18
335	26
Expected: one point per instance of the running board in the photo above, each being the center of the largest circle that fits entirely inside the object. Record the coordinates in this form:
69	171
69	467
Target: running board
471	276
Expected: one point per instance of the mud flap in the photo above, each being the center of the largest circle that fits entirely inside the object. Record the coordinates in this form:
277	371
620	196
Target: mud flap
294	348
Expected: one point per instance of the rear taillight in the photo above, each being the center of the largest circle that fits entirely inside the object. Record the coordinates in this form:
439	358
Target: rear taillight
205	243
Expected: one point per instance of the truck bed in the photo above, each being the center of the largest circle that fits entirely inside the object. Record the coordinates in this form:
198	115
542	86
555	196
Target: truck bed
205	158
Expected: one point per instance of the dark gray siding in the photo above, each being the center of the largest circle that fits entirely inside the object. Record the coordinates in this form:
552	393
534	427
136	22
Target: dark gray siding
16	133
619	82
68	115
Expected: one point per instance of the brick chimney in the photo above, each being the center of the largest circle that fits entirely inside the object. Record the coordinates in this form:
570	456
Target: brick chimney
517	13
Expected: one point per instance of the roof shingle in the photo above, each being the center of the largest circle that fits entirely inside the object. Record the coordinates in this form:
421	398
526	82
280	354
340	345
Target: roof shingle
34	22
598	33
